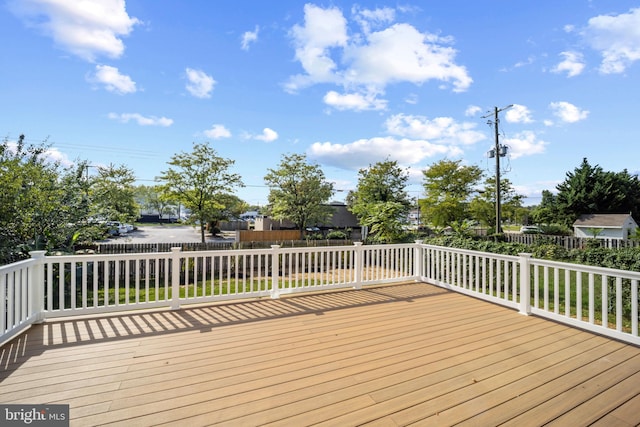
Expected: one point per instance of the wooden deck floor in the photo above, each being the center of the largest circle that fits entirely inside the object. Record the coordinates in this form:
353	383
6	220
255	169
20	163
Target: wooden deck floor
393	355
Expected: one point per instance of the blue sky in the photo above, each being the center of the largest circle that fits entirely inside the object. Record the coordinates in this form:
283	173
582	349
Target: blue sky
347	83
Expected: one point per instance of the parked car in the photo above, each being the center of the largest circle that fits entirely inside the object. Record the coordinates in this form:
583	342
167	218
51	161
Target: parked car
116	228
530	229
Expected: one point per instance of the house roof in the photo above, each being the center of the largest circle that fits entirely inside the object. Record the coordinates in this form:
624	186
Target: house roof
602	220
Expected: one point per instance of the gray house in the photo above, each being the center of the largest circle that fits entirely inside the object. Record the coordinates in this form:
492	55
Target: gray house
607	226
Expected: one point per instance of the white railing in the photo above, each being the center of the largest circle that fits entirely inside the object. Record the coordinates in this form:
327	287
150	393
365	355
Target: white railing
601	300
20	297
484	275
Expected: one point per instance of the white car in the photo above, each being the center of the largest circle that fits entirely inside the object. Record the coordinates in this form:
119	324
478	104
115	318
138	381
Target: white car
530	229
117	228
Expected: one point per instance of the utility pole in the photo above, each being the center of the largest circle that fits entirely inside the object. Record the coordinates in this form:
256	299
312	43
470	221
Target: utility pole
498	151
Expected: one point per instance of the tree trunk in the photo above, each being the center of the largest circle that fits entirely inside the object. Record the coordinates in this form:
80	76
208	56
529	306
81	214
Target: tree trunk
202	231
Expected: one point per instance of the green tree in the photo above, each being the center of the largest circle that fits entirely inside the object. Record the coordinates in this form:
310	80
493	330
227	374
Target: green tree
154	198
590	189
41	205
112	194
547	211
448	186
483	205
200	180
299	192
231	206
380	200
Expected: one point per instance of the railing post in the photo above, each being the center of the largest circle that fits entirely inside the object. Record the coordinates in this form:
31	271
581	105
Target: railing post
357	265
417	260
525	284
175	278
36	286
275	271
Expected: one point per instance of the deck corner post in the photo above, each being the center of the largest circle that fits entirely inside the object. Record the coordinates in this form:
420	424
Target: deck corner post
357	265
175	278
417	260
275	272
525	283
36	286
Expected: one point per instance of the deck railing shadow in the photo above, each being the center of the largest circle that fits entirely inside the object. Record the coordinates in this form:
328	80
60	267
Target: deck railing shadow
69	332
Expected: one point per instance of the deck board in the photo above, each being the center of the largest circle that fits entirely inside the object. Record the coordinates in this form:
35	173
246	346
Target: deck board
389	355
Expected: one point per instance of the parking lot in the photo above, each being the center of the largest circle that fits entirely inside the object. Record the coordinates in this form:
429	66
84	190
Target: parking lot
164	234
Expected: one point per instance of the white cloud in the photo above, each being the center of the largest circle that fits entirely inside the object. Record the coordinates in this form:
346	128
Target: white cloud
472	110
372	59
412	99
50	155
249	37
217	132
530	60
56	156
568	112
268	135
524	144
364	152
112	80
199	83
441	130
573	64
323	29
354	101
141	120
373	18
616	38
87	29
518	114
401	53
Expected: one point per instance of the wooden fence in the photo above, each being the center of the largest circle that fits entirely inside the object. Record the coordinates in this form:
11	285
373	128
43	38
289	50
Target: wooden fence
267	235
143	248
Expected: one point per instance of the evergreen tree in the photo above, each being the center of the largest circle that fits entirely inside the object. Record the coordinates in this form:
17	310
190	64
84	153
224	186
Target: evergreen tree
590	189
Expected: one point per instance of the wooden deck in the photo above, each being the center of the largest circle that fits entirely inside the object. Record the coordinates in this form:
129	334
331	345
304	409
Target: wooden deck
392	355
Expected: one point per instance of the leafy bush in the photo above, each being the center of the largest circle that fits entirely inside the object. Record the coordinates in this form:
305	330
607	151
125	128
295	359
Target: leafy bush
556	230
337	235
314	236
621	259
550	251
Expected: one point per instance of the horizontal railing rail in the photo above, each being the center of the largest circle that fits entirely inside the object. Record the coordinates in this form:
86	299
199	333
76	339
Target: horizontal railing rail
598	299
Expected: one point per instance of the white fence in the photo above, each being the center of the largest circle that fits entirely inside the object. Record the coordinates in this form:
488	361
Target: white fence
598	299
601	300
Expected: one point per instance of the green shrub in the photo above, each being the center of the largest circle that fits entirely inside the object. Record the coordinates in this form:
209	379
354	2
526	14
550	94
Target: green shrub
556	230
550	251
314	236
337	235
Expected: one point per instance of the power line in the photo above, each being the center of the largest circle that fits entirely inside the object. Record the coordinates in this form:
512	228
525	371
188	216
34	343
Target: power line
102	148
